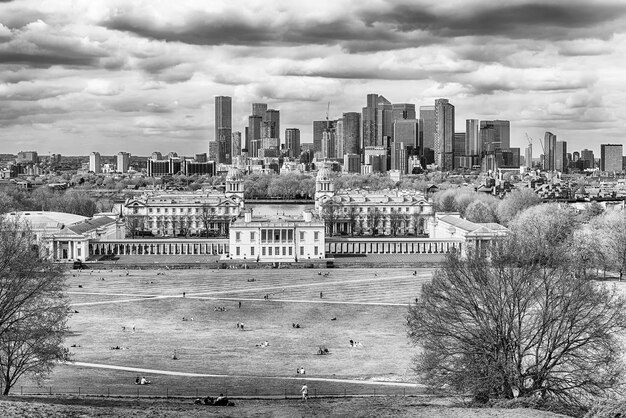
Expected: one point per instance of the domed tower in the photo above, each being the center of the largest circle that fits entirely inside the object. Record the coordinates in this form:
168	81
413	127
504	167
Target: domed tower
324	187
234	184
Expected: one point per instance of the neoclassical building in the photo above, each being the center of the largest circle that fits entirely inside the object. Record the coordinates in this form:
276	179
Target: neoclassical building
66	237
186	213
363	212
280	238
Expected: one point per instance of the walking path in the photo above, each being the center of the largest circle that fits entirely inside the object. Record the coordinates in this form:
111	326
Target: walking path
207	295
187	374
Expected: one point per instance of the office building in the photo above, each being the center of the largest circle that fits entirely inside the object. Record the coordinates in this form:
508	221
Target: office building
236	144
272	118
444	134
223	129
339	138
94	163
472	137
27	157
254	129
402	111
611	157
587	158
352	163
494	135
329	144
459	149
549	144
123	162
352	133
560	156
292	142
259	109
377	121
407	131
427	118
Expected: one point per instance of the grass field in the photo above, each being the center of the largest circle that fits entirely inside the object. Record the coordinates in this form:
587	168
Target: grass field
215	356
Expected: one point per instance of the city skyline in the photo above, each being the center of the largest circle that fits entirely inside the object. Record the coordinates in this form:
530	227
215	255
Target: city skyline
141	77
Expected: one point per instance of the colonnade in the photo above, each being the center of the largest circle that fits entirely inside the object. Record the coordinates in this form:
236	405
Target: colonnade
384	246
159	247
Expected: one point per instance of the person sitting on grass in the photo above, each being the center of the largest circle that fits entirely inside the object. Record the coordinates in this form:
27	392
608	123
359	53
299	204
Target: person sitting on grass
137	380
144	381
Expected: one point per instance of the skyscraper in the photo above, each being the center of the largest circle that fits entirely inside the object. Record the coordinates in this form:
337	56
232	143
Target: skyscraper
444	134
259	109
560	156
351	133
427	116
273	116
402	111
549	144
292	142
319	126
528	156
223	129
611	157
495	135
407	131
236	144
339	138
254	129
587	158
94	162
472	137
369	119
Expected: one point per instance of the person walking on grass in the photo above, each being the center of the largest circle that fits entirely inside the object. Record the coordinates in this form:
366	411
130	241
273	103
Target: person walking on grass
305	392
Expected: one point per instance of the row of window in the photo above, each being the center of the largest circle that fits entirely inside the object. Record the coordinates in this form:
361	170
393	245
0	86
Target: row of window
276	235
233	210
276	251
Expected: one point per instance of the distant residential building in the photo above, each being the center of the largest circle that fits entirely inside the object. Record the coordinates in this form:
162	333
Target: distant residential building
94	163
27	157
123	162
611	157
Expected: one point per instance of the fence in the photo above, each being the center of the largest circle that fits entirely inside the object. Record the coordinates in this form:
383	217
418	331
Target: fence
164	391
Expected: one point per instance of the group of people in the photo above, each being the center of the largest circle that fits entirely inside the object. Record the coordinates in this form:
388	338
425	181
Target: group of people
263	344
142	381
300	370
356	343
219	309
240	325
294	325
124	328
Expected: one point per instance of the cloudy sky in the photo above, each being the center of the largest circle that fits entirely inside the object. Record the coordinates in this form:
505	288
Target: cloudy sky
141	75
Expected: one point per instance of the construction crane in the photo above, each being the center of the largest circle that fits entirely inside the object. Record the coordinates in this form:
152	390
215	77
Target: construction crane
327	112
530	142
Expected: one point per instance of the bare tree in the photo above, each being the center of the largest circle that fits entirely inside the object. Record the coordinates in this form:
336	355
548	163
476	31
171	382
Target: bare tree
353	216
611	234
396	218
504	325
33	306
207	217
374	219
330	215
135	225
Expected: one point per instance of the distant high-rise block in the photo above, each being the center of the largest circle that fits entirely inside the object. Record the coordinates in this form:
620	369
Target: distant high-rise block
560	156
427	116
407	131
254	128
549	158
473	145
402	111
587	158
319	126
339	138
458	148
377	121
329	144
273	117
444	134
352	163
292	142
611	157
123	162
223	129
528	156
494	135
351	133
94	162
236	144
259	109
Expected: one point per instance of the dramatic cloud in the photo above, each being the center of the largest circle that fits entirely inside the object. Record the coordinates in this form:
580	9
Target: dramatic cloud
111	75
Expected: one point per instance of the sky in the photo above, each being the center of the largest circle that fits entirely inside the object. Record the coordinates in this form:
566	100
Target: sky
139	76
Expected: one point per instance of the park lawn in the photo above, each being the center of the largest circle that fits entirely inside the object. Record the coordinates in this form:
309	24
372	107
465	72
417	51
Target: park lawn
370	306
